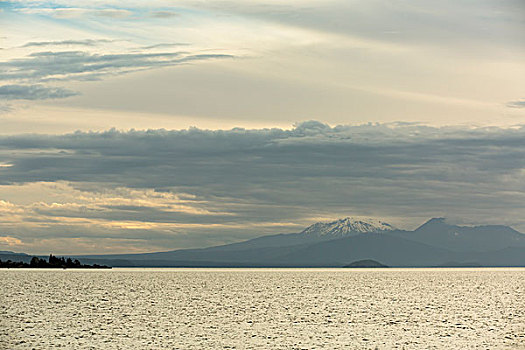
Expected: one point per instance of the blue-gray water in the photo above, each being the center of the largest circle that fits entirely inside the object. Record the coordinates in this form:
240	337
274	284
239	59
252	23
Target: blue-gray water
263	309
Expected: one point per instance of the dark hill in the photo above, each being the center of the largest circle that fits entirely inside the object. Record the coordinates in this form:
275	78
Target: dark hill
368	263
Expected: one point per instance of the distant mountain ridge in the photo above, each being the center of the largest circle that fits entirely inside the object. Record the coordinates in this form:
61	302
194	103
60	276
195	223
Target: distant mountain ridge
343	241
437	232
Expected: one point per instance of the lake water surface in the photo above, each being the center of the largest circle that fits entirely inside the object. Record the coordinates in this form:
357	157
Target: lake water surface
263	309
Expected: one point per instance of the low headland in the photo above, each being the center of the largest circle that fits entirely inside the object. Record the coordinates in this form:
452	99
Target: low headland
53	262
367	263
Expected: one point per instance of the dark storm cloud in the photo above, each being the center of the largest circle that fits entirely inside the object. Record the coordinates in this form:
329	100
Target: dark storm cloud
310	150
257	173
33	92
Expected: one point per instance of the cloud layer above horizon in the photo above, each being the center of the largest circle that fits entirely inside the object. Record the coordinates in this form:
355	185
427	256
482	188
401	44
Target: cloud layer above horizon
117	191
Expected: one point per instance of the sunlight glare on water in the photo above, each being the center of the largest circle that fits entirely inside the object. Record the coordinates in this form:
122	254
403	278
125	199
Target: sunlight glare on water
263	309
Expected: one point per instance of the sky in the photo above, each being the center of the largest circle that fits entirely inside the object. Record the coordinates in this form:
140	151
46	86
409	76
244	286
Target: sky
139	126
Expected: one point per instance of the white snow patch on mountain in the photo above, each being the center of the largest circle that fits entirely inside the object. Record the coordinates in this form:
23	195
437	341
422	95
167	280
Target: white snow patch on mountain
348	226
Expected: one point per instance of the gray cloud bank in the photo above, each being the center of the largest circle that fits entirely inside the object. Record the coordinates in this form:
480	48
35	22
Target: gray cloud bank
251	177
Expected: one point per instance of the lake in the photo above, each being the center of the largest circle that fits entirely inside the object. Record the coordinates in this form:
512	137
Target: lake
263	309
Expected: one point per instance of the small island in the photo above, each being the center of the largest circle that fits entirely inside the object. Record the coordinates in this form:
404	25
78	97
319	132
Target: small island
52	263
368	263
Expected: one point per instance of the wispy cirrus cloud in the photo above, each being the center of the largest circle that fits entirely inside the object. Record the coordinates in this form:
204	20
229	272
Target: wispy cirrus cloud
164	14
82	65
60	66
75	12
53	63
164	45
5	108
85	42
516	104
33	92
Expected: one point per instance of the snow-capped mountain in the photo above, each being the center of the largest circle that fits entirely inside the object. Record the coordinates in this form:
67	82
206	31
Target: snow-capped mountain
347	226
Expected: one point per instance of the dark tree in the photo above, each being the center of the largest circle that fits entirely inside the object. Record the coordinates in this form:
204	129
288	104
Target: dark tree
35	262
53	262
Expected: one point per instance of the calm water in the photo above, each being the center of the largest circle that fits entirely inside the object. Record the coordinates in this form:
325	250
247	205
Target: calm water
263	309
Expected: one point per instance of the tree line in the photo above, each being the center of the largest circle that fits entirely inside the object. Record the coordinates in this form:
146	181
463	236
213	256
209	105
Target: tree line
52	262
